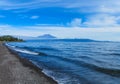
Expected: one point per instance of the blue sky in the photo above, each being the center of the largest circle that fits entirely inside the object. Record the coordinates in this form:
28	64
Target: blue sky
95	19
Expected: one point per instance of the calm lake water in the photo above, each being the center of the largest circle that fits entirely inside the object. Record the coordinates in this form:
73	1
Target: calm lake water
74	62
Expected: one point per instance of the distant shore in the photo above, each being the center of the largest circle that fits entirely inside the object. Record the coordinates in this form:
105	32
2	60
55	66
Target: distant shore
16	70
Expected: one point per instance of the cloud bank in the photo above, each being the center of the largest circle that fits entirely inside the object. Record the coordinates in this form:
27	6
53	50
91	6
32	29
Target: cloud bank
111	34
104	6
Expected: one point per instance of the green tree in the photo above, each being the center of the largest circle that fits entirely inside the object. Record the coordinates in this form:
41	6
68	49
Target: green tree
9	38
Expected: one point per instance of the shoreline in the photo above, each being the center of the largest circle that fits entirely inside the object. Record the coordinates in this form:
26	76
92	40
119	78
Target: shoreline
38	76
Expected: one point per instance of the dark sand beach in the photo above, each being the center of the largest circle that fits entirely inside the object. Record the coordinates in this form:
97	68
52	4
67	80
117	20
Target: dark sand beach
14	70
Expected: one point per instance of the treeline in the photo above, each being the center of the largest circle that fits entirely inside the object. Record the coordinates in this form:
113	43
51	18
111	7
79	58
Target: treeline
10	38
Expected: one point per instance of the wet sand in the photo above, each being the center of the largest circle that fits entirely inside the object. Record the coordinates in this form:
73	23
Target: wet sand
16	70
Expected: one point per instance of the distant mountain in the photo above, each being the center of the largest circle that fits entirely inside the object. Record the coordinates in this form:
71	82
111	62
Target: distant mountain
51	37
47	36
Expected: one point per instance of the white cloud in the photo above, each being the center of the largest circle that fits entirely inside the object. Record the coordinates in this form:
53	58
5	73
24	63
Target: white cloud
103	6
5	26
9	5
50	25
34	17
102	20
98	20
75	22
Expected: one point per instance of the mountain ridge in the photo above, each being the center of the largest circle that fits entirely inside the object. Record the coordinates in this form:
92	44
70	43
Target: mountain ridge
47	36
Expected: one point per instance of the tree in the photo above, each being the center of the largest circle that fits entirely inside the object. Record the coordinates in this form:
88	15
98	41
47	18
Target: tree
9	38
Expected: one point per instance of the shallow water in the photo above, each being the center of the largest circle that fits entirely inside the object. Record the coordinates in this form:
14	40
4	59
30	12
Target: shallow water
74	62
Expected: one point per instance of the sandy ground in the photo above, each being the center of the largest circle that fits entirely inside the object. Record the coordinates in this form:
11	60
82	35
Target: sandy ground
12	71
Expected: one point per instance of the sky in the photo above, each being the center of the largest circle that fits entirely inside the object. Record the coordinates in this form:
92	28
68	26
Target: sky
94	19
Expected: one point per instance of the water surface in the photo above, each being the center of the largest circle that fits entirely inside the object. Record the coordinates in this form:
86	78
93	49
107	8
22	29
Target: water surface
74	62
